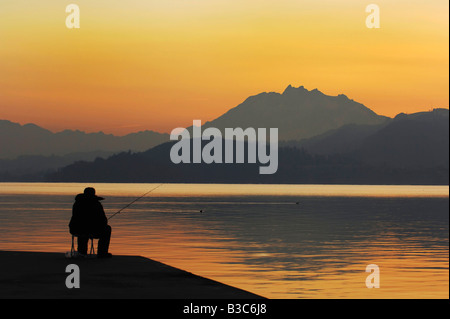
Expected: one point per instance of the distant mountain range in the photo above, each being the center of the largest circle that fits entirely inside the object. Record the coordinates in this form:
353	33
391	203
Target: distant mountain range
30	139
409	140
323	139
34	167
297	113
410	149
27	152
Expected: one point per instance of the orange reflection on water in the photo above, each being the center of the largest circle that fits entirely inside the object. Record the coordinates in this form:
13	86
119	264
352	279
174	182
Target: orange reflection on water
414	273
137	189
270	247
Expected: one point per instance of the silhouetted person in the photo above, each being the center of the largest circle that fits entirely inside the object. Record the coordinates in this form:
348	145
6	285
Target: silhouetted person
89	220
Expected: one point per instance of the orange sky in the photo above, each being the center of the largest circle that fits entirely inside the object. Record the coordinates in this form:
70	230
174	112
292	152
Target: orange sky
136	65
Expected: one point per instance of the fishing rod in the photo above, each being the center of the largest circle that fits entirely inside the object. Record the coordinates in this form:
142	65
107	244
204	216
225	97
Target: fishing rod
135	201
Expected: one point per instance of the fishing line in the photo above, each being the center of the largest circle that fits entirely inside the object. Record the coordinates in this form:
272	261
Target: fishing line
135	201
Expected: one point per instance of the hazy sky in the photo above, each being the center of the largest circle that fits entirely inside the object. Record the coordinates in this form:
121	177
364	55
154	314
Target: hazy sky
159	64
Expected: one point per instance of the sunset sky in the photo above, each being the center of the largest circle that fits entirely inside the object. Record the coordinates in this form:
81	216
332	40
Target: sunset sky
159	64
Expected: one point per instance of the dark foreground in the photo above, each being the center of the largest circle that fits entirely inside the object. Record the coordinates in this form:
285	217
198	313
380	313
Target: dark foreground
43	275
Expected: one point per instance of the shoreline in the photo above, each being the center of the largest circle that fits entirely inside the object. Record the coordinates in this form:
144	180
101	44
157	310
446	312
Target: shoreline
42	275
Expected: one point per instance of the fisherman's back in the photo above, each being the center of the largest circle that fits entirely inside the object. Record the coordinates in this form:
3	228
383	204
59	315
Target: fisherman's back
89	221
88	216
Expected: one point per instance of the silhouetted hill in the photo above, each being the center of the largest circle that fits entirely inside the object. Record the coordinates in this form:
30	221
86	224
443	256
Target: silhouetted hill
30	139
34	167
409	140
339	141
296	165
297	113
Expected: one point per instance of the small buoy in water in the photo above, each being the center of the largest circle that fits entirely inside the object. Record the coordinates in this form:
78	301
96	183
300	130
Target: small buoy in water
201	210
296	203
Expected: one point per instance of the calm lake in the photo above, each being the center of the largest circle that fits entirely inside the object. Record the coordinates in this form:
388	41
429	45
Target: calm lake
279	241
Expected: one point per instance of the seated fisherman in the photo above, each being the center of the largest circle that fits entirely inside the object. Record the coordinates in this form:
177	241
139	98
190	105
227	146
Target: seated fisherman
89	220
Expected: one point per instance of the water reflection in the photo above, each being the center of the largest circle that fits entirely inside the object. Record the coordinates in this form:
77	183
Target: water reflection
265	243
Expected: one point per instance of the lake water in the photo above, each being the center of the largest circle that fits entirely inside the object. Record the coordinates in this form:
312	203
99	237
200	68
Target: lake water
279	241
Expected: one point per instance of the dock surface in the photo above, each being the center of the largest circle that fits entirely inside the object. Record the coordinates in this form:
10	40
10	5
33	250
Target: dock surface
43	275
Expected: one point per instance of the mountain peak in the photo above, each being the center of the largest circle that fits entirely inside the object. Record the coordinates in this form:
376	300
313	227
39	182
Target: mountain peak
298	113
290	89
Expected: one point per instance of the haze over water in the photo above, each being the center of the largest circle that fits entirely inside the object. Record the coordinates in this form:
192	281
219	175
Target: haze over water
279	241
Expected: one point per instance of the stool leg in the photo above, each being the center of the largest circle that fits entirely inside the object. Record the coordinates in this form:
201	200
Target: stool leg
72	249
92	252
